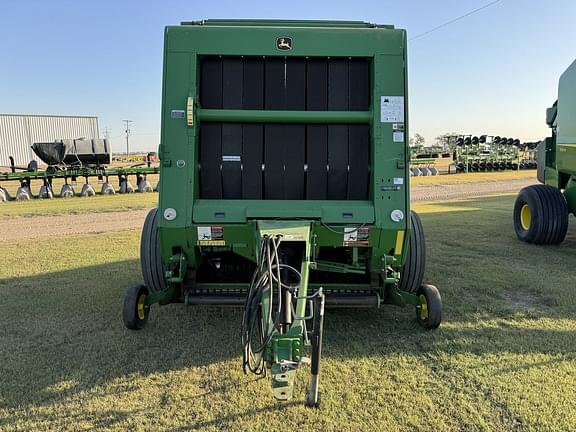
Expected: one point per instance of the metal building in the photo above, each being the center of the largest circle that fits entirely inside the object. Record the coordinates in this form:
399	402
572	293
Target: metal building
18	132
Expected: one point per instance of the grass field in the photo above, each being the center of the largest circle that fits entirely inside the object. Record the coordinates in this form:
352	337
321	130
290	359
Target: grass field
503	360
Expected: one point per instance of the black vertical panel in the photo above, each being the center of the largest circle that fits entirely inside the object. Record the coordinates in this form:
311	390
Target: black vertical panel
317	85
358	155
295	135
252	134
231	157
274	94
295	149
295	84
359	84
274	154
316	157
338	85
211	82
252	151
253	88
337	134
210	159
232	80
337	161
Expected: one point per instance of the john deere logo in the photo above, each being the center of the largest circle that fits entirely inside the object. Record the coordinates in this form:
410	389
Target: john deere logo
284	43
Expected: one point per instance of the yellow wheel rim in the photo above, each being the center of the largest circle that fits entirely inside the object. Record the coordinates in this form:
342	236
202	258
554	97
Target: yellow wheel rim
423	310
525	217
141	307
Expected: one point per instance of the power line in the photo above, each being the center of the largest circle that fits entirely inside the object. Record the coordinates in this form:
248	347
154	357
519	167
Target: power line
127	136
454	20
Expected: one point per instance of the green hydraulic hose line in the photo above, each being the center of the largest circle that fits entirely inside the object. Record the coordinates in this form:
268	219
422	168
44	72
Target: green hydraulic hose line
270	116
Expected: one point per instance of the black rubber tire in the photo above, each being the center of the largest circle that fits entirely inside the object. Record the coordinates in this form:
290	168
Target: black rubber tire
549	215
130	312
150	257
412	273
434	307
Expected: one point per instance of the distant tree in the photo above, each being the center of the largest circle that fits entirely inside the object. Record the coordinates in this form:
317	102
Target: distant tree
417	142
446	141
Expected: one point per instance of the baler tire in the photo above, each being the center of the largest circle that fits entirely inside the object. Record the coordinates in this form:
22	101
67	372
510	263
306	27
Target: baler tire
412	273
150	258
431	299
135	312
541	215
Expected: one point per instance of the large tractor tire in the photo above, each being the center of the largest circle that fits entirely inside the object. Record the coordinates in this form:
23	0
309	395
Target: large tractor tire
412	273
541	215
150	258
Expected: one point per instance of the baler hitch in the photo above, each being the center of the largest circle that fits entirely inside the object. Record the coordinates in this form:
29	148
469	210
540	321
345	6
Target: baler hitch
274	331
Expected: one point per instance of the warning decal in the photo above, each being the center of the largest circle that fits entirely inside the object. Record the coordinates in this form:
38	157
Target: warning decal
392	109
210	235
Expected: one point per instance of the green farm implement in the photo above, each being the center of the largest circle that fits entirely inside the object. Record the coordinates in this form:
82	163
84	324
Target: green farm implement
68	161
285	185
541	211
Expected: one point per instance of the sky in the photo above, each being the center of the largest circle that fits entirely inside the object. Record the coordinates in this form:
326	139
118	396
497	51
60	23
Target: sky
493	72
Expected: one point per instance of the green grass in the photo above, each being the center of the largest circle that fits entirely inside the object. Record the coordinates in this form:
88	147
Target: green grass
504	358
99	203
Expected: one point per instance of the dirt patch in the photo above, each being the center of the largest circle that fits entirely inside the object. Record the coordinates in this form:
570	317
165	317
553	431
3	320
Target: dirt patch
466	190
63	225
526	301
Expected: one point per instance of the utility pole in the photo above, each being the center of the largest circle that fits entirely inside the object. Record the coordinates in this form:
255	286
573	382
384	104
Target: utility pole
107	133
128	122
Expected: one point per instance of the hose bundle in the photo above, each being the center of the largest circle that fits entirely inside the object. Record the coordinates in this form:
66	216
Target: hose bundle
267	284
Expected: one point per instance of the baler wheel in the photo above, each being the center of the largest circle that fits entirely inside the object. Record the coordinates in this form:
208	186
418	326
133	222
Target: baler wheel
429	311
135	312
541	215
150	258
412	272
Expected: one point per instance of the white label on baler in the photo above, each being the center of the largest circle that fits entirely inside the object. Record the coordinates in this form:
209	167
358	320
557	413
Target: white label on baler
398	136
398	180
204	233
391	109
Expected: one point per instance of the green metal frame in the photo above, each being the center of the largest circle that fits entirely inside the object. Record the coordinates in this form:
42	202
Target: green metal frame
560	148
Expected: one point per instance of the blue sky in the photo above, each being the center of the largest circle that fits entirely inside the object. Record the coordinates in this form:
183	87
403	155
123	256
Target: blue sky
494	72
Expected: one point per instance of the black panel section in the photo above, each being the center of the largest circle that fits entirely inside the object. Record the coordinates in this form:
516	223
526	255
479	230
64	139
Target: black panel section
211	83
337	161
232	69
296	84
231	167
338	85
274	153
274	91
358	160
295	149
210	159
317	159
317	85
252	151
359	85
253	88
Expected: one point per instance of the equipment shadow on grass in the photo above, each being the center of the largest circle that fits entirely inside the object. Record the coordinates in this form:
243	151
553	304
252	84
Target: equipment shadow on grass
62	334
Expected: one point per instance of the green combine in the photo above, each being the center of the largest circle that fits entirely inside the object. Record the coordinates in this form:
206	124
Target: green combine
541	211
285	185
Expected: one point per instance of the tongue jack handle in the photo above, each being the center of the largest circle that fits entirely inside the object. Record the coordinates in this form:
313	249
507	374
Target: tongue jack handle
313	397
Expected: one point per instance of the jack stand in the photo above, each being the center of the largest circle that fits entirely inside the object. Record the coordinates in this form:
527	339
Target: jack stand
313	398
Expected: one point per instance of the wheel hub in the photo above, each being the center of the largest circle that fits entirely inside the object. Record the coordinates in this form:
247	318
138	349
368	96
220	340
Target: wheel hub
141	307
525	217
423	308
